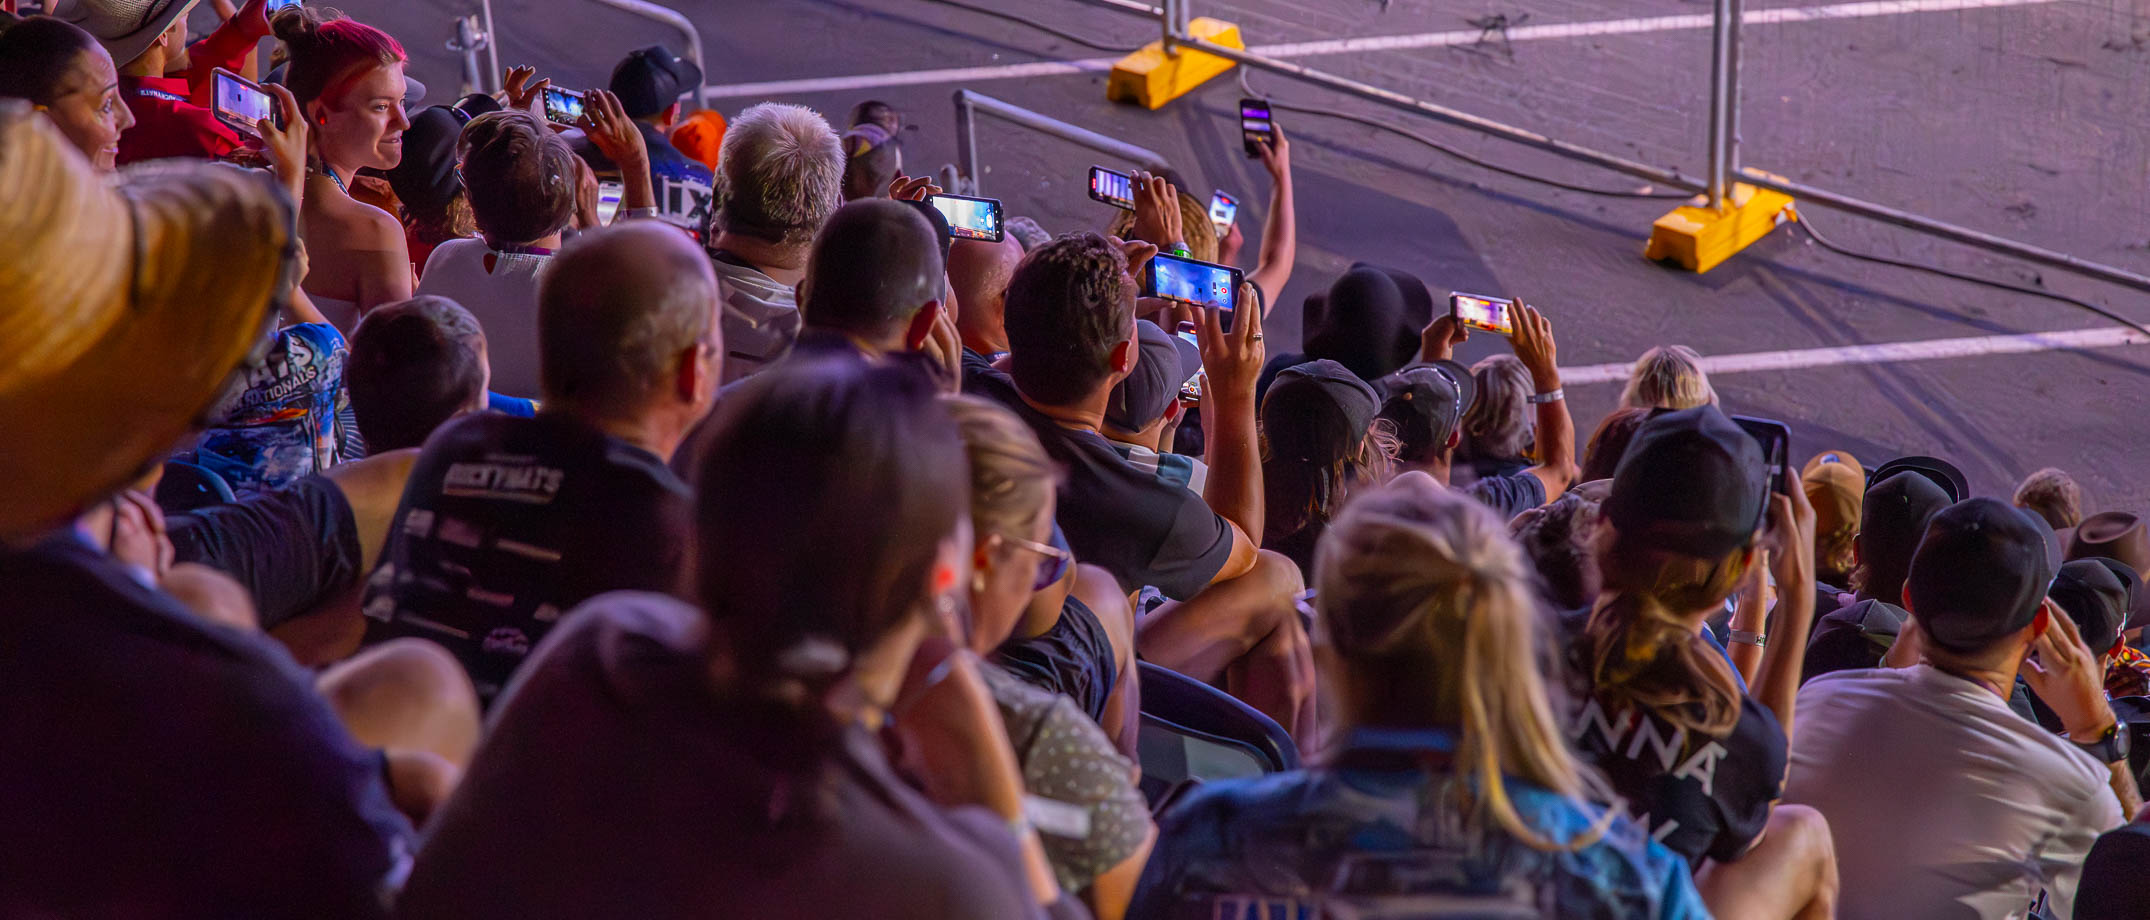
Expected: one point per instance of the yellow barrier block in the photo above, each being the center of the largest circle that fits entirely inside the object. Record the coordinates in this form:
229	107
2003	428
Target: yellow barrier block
1697	238
1151	78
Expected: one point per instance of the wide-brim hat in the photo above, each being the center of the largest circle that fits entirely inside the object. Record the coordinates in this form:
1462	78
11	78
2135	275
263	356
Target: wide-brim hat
124	311
2120	536
125	27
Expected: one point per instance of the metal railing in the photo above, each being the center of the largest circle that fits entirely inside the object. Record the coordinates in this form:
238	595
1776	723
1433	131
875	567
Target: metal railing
969	105
677	20
1723	167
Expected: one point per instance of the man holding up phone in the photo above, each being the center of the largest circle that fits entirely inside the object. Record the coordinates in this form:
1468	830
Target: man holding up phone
1070	324
1556	470
171	113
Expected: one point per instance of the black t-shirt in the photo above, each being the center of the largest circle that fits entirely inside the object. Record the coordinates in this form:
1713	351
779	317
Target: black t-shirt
291	547
1141	529
1851	637
509	522
155	764
1510	494
1699	796
2114	885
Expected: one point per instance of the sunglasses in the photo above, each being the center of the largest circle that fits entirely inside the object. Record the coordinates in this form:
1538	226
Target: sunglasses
1056	565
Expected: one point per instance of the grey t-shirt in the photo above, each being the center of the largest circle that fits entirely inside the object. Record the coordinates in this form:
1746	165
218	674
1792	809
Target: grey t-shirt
760	316
1082	796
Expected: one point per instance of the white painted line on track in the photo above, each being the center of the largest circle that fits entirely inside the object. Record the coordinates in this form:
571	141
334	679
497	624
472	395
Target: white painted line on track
1884	353
1684	22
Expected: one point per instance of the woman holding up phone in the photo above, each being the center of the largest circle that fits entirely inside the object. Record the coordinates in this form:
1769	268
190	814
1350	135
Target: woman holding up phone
347	79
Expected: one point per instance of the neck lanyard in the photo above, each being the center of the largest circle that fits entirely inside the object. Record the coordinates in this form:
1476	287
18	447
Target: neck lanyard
332	177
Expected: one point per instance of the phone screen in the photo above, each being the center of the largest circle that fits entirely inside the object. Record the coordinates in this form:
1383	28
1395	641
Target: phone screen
1487	313
1200	283
970	218
240	103
1113	188
274	5
1222	209
1254	124
608	200
562	106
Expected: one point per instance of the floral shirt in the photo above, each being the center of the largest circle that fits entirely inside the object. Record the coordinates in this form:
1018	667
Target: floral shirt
2128	674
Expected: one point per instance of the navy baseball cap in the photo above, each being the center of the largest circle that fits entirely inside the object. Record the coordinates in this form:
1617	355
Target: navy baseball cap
1426	403
1691	482
1980	574
649	79
1165	362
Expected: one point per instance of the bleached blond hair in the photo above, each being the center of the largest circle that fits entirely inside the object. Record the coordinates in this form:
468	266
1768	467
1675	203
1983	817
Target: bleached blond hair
780	174
1668	377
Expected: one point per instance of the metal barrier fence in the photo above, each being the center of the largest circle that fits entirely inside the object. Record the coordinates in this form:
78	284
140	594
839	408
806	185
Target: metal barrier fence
1723	168
969	105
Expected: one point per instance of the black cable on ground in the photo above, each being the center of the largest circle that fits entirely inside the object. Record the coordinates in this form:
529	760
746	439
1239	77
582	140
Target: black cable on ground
1806	223
1457	153
1032	23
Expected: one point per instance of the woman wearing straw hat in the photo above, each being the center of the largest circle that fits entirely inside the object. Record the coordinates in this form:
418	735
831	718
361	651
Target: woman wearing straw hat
156	763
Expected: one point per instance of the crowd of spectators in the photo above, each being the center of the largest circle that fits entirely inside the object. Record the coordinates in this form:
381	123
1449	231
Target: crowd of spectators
393	525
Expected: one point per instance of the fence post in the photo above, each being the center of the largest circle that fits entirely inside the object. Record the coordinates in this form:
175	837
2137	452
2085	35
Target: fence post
1724	103
967	142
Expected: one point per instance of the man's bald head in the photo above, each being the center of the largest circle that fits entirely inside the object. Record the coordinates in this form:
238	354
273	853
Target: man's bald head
616	308
874	264
979	272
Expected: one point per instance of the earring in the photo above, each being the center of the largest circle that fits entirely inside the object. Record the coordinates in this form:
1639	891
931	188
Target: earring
977	582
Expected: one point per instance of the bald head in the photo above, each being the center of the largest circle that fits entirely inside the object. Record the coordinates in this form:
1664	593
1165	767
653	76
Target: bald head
616	309
874	265
979	272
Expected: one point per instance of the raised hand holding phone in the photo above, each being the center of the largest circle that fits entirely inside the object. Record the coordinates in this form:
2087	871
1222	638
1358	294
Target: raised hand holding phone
1157	212
285	145
615	135
527	98
1232	359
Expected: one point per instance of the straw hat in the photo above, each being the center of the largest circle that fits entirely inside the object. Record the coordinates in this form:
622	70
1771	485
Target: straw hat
124	311
124	27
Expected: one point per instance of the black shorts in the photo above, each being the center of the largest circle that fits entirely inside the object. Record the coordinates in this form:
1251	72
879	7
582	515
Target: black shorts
1073	658
290	548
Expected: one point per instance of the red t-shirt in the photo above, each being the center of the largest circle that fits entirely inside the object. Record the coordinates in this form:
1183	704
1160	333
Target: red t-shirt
169	119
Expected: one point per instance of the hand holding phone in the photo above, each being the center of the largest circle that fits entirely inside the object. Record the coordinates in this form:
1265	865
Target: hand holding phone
1201	284
970	218
1776	440
1223	209
1113	188
242	103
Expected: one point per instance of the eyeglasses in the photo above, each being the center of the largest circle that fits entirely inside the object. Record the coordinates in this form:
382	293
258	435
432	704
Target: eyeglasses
1055	568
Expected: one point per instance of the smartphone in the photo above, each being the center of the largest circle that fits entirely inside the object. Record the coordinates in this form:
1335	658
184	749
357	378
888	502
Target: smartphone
1776	440
562	106
608	201
1492	314
1203	284
274	5
970	218
1113	188
1255	126
241	103
1191	388
1223	209
1191	391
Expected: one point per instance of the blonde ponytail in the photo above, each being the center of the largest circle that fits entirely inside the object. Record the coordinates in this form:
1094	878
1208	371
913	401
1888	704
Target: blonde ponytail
1421	584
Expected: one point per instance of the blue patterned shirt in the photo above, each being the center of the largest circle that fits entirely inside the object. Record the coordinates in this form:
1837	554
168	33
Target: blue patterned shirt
1384	835
293	417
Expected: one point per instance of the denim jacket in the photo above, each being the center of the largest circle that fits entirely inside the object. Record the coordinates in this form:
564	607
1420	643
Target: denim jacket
1382	835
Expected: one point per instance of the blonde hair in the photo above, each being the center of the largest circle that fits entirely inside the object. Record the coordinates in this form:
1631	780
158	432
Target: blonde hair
1499	424
1010	475
780	174
1428	603
1668	377
1195	229
1641	652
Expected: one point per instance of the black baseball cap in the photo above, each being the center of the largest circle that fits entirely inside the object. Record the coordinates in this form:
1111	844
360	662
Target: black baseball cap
1426	403
1317	403
1691	482
1163	363
425	179
1942	472
650	79
1980	574
2098	595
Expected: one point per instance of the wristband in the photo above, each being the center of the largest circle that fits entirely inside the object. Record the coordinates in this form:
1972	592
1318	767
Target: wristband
1180	249
634	212
1758	640
1553	396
